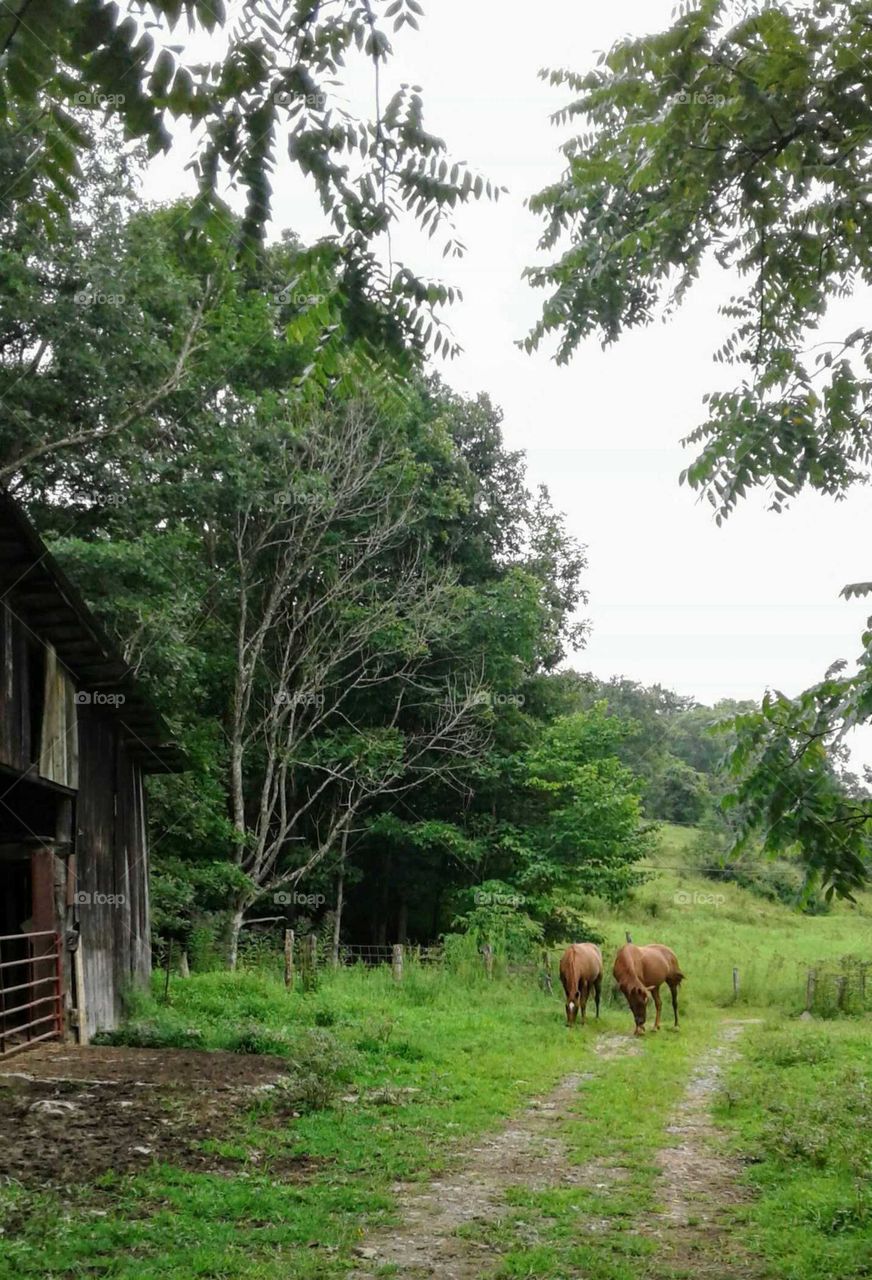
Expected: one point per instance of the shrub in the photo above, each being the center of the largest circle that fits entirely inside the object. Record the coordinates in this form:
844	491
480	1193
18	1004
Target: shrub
319	1069
255	1038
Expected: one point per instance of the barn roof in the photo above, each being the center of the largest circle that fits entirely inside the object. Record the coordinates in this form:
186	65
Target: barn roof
33	584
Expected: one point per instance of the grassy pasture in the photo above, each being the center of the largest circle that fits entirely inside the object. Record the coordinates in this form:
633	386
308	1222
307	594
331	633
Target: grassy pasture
713	926
386	1081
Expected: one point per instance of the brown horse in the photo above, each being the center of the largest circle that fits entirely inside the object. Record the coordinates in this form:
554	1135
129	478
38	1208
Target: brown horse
639	971
581	968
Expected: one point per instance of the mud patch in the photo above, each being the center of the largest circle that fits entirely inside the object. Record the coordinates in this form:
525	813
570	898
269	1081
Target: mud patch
70	1115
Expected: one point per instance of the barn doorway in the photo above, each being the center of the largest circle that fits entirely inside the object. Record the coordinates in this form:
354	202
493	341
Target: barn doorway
31	993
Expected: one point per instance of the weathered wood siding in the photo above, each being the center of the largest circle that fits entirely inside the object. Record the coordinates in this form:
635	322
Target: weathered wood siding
14	685
59	742
112	870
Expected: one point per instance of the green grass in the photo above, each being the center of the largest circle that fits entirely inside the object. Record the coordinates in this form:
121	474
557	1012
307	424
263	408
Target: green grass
799	1111
714	926
470	1053
547	1233
474	1052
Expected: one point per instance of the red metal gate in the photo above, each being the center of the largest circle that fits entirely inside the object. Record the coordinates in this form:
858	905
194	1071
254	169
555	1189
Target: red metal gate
31	1001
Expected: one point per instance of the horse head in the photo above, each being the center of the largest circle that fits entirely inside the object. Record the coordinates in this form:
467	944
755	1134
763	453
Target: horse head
637	998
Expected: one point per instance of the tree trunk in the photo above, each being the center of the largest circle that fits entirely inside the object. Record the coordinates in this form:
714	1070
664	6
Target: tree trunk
380	929
233	930
340	898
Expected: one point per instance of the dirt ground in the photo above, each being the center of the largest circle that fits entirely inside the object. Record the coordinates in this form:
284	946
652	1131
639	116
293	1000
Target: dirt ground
700	1185
526	1154
69	1114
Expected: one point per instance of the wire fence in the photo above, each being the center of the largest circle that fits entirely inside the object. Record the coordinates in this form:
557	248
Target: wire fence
845	987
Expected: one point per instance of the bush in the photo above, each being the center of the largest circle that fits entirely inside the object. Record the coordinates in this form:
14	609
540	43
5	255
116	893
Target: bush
321	1067
152	1033
258	1039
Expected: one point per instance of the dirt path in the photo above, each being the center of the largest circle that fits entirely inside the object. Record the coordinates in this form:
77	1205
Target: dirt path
528	1153
699	1184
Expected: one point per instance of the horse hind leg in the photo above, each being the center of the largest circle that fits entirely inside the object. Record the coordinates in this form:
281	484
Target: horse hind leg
597	991
658	1005
673	987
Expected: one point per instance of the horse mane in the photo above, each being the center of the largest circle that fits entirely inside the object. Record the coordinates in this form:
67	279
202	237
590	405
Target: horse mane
626	973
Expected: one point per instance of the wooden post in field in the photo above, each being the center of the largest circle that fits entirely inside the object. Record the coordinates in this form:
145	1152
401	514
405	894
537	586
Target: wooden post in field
79	979
841	990
289	958
546	973
735	983
397	961
488	953
169	962
313	952
810	983
862	980
628	936
184	966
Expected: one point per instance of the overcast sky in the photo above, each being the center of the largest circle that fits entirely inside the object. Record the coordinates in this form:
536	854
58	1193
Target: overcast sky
710	612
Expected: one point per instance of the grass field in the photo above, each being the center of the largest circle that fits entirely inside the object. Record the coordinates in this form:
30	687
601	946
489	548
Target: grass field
386	1083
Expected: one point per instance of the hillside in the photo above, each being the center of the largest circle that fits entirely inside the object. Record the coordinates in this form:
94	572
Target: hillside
713	926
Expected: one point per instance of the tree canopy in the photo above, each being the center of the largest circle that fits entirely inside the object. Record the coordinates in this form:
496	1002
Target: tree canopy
274	84
739	138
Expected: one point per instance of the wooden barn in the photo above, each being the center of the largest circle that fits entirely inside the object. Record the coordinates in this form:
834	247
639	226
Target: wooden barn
76	738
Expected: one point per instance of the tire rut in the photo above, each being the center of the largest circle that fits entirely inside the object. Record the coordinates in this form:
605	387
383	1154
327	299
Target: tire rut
699	1188
528	1153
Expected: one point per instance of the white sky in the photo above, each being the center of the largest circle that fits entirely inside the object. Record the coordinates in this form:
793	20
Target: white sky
709	612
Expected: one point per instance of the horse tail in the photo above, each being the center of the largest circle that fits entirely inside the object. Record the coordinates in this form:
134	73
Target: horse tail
679	977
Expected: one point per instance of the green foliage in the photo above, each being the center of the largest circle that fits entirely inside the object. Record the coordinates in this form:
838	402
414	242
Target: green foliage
744	141
788	787
279	83
496	918
591	832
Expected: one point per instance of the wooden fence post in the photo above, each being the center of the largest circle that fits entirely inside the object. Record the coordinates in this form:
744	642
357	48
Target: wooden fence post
397	961
184	965
735	983
289	958
628	936
488	953
841	991
546	973
313	951
810	984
